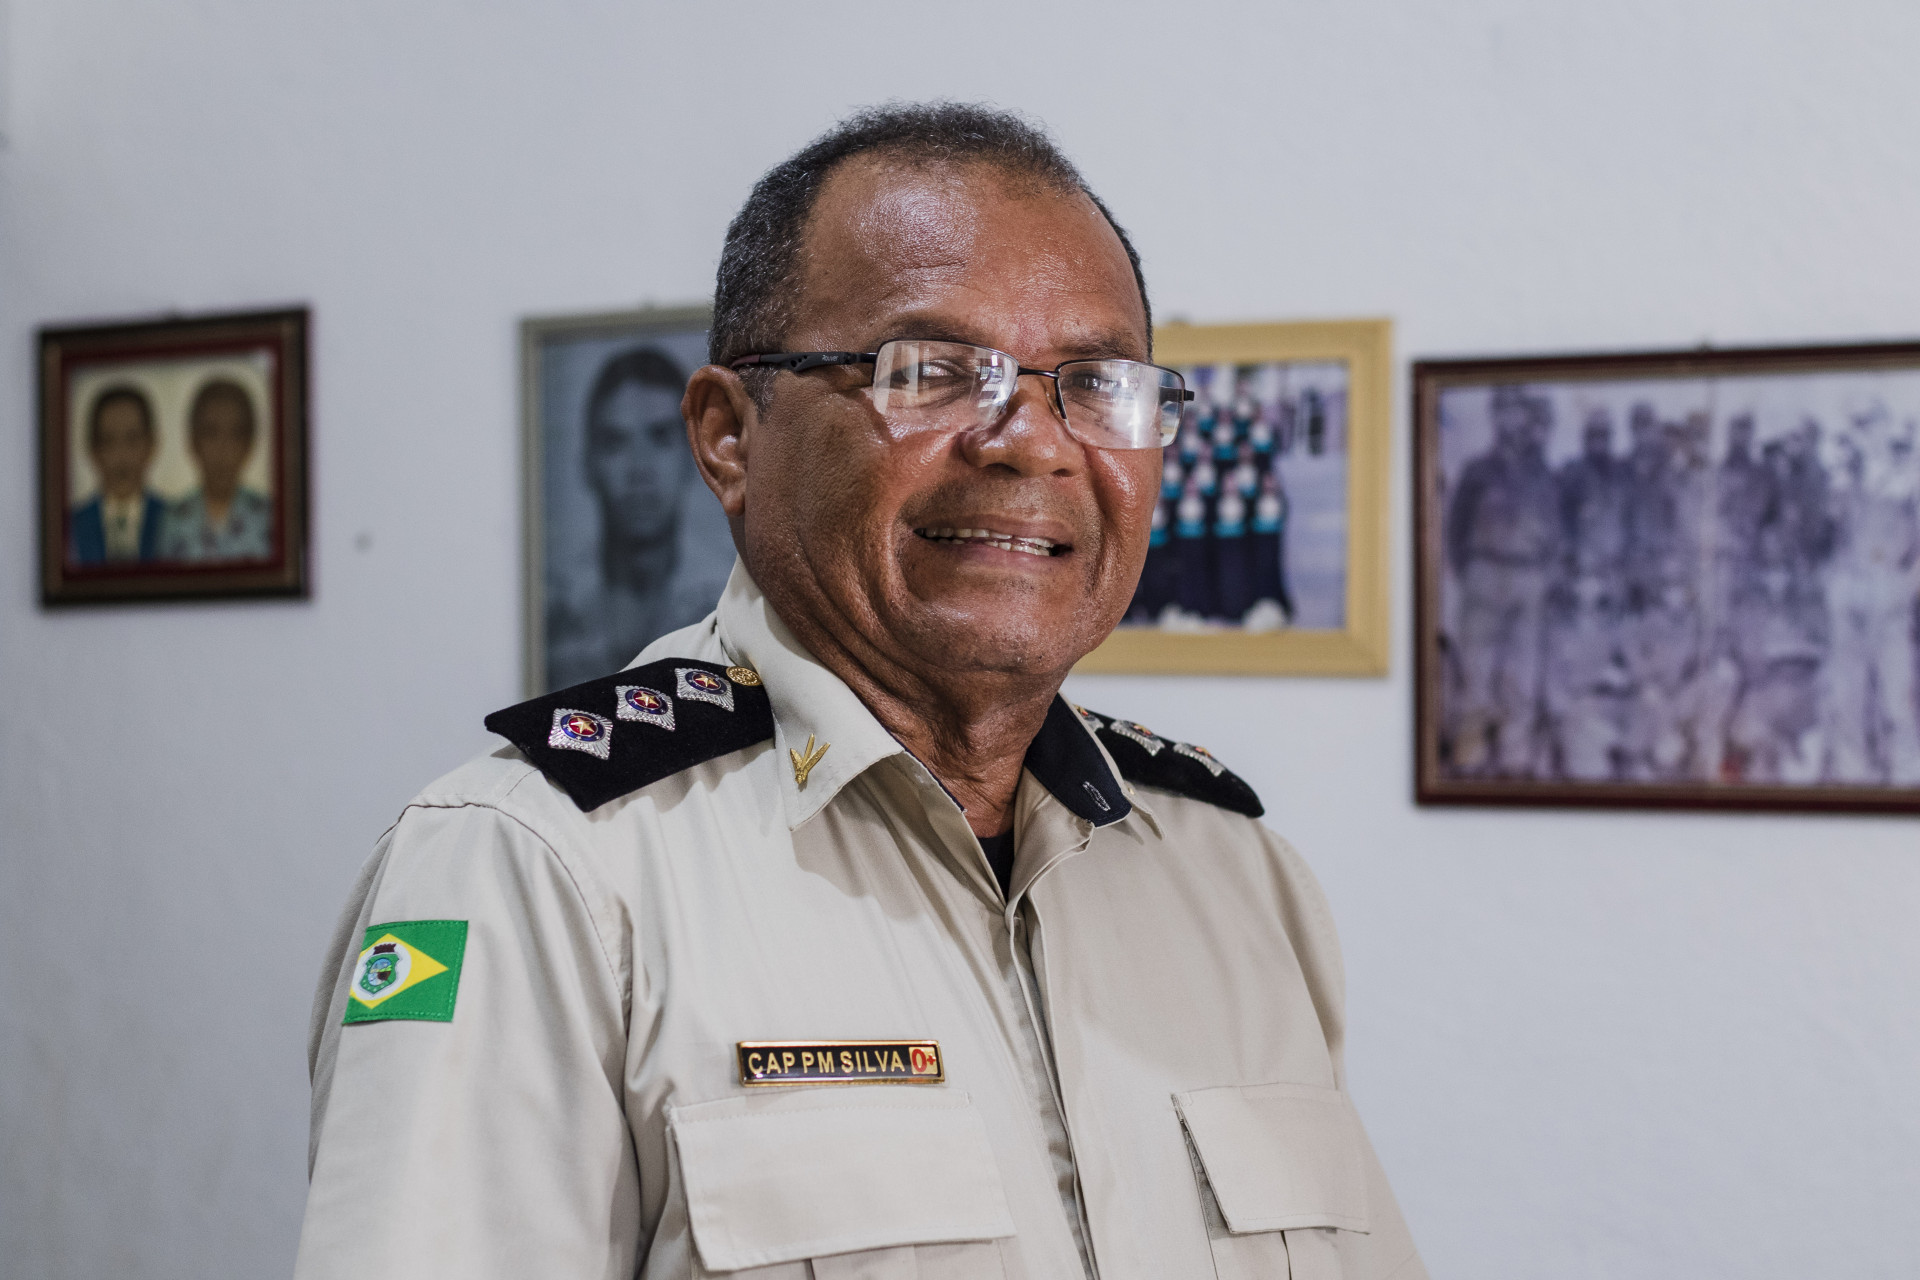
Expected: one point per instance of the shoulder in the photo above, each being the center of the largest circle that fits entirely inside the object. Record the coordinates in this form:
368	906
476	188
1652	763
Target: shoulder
1145	757
605	738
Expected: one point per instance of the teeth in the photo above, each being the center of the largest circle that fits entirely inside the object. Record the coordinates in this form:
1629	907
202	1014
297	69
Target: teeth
992	538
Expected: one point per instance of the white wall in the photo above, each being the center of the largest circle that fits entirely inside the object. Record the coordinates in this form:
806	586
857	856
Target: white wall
1622	1045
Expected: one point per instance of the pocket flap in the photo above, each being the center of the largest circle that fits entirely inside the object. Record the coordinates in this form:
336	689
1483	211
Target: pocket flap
1279	1156
775	1178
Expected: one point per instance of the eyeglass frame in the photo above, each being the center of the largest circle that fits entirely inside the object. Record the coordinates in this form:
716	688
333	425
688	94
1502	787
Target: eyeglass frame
802	361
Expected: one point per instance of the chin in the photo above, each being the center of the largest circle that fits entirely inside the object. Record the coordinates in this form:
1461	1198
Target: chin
995	640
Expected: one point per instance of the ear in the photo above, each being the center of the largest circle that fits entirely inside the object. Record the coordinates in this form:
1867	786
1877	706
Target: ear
720	416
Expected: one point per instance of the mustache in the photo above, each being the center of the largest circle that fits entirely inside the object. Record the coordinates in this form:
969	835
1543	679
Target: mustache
1014	499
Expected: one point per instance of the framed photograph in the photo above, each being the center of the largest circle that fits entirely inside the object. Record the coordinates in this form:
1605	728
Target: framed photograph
1671	579
173	459
624	542
1269	551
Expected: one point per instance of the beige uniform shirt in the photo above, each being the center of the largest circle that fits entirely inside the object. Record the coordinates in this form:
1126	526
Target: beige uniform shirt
1139	1052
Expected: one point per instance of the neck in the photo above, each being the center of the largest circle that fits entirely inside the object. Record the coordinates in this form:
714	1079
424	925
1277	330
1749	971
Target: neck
635	565
218	501
970	728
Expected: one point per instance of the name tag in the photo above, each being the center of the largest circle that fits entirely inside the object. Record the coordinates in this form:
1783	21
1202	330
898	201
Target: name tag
764	1062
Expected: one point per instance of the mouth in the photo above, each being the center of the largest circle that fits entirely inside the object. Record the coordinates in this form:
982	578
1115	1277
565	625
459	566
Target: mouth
1019	544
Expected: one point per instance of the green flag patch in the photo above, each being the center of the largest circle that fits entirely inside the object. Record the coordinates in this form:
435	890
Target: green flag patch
408	969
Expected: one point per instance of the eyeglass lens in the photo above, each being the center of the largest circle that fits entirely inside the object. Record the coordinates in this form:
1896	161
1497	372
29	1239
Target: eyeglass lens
953	386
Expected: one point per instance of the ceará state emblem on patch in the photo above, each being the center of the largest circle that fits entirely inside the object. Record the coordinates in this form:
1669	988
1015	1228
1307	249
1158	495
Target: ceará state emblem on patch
385	966
408	969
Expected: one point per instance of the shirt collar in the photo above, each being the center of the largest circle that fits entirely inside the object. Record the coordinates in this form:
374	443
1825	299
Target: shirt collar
810	702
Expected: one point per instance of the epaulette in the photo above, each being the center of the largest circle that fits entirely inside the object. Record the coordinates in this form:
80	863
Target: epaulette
1180	767
600	740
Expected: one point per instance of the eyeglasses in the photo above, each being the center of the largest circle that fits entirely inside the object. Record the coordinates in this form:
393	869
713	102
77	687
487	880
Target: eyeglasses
955	386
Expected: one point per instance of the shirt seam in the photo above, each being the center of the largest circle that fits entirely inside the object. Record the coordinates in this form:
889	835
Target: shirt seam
564	863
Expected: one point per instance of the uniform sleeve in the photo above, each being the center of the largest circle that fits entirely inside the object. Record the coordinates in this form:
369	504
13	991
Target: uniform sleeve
493	1143
1386	1251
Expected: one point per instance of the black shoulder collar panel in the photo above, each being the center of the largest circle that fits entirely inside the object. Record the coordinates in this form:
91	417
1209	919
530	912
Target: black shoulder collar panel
600	740
1151	760
1064	761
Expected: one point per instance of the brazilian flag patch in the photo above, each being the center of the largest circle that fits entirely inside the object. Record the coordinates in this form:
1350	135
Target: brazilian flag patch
408	969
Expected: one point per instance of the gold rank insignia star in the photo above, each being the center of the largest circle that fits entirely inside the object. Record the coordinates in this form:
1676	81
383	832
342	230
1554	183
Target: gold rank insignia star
803	762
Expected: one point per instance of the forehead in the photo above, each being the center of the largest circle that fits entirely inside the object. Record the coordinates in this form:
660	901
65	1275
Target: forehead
122	410
634	399
982	254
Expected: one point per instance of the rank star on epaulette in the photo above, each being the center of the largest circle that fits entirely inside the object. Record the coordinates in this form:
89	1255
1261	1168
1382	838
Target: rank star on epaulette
1201	754
1137	732
703	686
649	706
581	731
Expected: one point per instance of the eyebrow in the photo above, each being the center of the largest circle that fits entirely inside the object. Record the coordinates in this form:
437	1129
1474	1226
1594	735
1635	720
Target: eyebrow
1100	344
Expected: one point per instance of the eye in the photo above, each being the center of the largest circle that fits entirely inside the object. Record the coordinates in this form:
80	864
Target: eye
1099	382
929	374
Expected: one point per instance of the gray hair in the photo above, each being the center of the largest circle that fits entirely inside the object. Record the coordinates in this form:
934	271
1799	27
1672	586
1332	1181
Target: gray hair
758	282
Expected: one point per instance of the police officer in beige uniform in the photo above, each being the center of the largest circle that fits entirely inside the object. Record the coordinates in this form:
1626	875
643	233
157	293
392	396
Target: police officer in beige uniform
826	939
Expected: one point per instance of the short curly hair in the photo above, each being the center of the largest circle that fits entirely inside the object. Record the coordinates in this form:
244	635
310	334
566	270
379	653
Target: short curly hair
757	286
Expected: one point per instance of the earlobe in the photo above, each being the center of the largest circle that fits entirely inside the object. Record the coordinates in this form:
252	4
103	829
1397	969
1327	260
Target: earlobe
720	416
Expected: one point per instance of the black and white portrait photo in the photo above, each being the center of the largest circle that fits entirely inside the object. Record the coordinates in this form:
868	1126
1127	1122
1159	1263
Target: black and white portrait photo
625	542
1696	583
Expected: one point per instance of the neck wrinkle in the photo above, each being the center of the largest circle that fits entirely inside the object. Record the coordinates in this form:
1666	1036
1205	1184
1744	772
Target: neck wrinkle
973	739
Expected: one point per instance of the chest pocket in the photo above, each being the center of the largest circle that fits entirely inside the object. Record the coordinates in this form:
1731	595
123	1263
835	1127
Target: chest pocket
871	1182
1281	1175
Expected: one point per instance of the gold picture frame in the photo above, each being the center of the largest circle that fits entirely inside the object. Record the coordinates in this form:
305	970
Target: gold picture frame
1358	644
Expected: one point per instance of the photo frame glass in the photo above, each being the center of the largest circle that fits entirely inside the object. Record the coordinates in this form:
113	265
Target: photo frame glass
1672	579
1266	553
173	458
624	540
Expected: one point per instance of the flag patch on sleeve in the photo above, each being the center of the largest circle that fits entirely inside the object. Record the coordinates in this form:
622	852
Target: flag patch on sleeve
408	969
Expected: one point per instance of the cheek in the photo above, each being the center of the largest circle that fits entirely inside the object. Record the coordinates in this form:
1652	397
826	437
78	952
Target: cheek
826	477
1128	486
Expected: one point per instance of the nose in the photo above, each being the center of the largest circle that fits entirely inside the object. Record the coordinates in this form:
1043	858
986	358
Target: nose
1030	435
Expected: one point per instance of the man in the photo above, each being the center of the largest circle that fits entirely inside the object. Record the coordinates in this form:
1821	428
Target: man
1503	539
120	523
1587	688
637	467
222	519
827	940
1872	675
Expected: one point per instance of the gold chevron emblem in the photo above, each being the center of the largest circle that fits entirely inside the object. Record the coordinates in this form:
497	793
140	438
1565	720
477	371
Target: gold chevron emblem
803	762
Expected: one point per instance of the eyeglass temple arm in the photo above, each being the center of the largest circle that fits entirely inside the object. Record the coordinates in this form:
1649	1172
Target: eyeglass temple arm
801	361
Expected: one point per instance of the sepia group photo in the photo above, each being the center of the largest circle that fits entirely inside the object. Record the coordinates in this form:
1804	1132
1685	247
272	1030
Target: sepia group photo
1705	581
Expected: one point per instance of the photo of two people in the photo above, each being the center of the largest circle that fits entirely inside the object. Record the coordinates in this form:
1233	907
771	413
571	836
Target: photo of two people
119	516
173	458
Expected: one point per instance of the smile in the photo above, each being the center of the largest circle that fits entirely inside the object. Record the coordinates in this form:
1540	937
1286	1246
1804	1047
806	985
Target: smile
999	541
